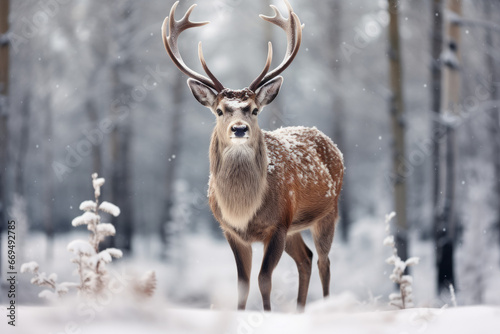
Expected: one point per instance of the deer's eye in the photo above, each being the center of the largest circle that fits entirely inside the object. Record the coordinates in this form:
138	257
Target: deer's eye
219	112
255	111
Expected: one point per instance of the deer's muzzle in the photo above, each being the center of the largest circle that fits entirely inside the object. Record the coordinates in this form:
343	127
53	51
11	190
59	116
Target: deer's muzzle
239	131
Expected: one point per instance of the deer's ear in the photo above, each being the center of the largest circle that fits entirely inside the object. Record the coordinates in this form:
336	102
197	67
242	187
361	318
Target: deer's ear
202	92
267	93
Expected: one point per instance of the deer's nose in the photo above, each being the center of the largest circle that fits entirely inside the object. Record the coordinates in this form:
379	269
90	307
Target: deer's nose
239	130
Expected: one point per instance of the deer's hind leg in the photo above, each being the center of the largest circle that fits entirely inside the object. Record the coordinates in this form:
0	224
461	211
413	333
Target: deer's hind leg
322	233
302	255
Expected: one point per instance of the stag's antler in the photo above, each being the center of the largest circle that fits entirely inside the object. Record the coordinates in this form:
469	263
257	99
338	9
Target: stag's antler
175	28
293	30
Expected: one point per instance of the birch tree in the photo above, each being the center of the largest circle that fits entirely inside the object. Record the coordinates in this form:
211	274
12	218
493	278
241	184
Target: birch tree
446	221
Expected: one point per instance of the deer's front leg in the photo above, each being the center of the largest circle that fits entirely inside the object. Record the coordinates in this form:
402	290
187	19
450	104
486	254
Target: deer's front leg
243	256
273	250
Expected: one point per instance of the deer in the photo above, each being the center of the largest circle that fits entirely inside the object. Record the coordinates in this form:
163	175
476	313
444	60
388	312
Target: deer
265	186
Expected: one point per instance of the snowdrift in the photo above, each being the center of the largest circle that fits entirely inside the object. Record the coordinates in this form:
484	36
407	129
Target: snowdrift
322	318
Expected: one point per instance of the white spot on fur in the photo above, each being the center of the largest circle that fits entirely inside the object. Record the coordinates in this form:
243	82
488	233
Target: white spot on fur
236	104
239	140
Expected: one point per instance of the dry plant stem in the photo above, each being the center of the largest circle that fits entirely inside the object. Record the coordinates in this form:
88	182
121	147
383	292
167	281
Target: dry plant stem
49	283
94	232
97	267
401	286
80	273
402	292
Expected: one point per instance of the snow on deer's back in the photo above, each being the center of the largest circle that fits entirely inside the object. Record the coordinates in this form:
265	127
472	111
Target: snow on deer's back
309	160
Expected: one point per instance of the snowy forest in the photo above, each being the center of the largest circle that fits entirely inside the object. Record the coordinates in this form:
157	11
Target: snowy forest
95	117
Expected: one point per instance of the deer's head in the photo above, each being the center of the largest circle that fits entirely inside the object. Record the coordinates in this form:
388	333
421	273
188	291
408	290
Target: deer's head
236	110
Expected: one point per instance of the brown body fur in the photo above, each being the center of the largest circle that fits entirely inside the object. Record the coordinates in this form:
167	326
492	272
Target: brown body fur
298	211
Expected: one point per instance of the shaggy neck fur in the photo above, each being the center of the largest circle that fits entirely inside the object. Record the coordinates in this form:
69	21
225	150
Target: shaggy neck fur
240	178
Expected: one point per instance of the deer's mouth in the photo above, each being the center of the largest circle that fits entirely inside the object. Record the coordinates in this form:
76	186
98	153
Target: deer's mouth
239	140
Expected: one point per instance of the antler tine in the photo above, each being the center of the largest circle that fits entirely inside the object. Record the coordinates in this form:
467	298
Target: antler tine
184	23
287	25
254	85
218	86
293	29
277	15
175	28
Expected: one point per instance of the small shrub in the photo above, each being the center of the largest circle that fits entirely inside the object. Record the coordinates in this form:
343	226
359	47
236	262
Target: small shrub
90	262
404	298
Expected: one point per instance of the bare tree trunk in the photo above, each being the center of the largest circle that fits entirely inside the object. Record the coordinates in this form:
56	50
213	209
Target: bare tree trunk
436	74
494	112
446	224
48	152
121	184
335	60
438	129
121	136
45	106
93	116
23	145
4	91
398	130
345	216
173	150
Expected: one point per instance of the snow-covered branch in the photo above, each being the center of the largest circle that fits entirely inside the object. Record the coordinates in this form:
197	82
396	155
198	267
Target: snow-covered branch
55	290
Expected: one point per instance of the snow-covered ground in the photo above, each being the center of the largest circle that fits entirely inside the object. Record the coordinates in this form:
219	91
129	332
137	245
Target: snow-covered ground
201	271
197	292
323	317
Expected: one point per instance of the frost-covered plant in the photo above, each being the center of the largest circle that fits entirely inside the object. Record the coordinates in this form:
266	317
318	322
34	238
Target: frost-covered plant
404	298
55	290
146	285
90	262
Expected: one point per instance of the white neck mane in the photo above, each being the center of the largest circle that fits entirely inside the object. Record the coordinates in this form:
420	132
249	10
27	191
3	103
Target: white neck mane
240	184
